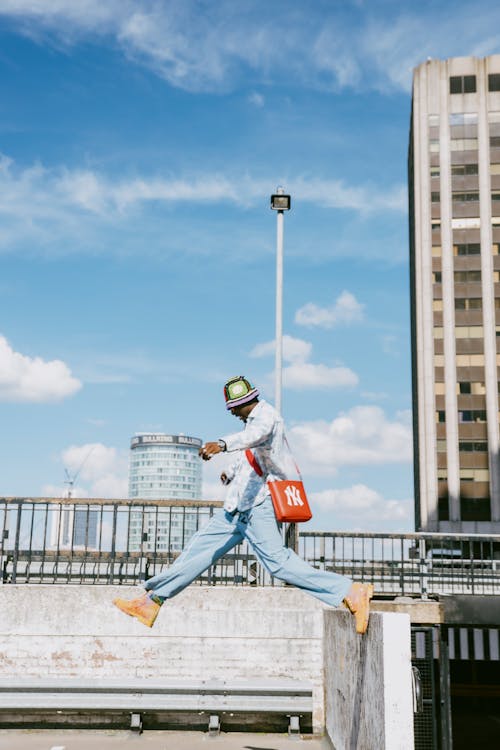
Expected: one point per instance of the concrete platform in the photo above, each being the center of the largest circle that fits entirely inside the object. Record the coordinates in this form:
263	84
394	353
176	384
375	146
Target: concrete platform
158	740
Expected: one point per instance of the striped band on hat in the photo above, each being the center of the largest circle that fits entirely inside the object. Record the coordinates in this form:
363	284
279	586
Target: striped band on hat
239	391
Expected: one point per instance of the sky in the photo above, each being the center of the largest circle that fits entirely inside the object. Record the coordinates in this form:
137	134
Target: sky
139	145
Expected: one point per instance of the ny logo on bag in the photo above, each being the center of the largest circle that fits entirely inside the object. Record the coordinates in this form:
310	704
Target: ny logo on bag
293	495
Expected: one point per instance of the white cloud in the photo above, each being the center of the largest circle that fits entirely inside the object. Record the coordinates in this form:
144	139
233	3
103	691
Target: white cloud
346	309
362	436
256	99
102	470
361	507
32	379
300	374
208	47
293	349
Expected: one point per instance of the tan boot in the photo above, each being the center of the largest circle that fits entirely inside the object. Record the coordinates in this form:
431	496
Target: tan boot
143	608
358	602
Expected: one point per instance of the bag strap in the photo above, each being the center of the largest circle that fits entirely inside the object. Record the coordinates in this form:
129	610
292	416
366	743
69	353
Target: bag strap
257	468
293	459
253	462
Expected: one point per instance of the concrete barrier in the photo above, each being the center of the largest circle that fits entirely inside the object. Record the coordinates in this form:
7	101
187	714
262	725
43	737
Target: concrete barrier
218	633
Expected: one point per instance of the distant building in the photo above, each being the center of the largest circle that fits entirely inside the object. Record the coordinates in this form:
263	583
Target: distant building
454	187
74	528
164	467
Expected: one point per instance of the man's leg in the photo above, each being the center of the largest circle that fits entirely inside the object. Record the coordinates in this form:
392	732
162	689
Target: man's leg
204	548
263	534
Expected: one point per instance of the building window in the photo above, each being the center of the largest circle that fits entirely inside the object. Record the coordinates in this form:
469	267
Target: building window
495	195
472	415
462	277
463	118
494	168
494	82
462	84
463	144
469	248
435	197
495	141
459	170
464	387
440	416
469	332
434	146
464	197
443	509
475	509
437	277
434	171
466	446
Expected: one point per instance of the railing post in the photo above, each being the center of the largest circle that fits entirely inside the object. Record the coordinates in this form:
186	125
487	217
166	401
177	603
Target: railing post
113	543
423	568
15	555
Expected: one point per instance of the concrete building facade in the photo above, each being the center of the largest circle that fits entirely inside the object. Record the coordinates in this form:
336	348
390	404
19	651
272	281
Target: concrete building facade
454	206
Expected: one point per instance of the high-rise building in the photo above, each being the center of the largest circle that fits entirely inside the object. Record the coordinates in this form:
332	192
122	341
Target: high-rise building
454	185
164	467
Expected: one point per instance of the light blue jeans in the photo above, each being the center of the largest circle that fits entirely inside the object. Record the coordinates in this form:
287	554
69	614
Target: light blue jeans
260	528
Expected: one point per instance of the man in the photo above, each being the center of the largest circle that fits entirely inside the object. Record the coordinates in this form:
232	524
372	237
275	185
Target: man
248	513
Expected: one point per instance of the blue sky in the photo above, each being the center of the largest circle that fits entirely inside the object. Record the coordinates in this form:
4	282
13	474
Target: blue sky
139	145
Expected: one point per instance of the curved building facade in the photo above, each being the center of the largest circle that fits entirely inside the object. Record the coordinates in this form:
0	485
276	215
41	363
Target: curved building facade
165	467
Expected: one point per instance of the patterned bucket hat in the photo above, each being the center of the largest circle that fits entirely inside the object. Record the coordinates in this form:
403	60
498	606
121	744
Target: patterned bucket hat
239	391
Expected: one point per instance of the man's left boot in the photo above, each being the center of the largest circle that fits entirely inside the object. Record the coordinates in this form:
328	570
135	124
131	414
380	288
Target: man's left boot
143	608
358	602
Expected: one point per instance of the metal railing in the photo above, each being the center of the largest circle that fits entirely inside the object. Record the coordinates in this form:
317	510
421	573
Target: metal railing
422	564
49	540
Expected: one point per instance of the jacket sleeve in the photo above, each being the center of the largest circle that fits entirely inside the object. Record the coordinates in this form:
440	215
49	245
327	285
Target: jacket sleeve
256	432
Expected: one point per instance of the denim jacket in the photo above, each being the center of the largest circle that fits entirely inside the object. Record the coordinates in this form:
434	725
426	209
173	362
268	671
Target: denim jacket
264	435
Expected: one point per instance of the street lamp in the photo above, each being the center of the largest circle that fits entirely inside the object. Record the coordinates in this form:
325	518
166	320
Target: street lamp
280	202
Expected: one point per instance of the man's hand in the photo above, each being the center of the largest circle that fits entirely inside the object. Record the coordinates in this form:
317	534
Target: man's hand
208	450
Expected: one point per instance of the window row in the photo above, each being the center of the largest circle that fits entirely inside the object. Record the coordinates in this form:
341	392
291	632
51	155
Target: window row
467	84
464	249
471	415
461	332
464	446
462	170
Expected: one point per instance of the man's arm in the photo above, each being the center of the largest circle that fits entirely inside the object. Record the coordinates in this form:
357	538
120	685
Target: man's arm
255	433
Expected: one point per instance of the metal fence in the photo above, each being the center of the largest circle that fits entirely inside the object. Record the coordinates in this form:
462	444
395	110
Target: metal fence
49	540
409	564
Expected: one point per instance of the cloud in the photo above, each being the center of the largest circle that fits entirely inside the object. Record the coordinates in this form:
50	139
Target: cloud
293	349
59	206
102	470
362	436
256	99
32	379
363	508
208	47
300	374
346	309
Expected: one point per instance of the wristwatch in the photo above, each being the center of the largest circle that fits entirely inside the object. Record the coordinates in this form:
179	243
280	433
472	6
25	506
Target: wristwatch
222	445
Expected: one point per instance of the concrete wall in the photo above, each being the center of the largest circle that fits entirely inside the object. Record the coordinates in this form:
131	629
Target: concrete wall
214	633
368	693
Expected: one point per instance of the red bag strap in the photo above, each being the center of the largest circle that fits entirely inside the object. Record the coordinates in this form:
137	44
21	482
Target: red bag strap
257	468
253	462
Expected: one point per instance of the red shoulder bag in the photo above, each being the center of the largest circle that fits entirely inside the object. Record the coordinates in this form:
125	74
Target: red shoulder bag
288	495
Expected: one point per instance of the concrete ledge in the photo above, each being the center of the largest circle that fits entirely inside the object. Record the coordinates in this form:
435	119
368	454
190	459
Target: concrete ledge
214	636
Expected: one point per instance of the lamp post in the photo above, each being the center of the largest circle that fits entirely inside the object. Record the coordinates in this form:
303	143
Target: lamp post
280	202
